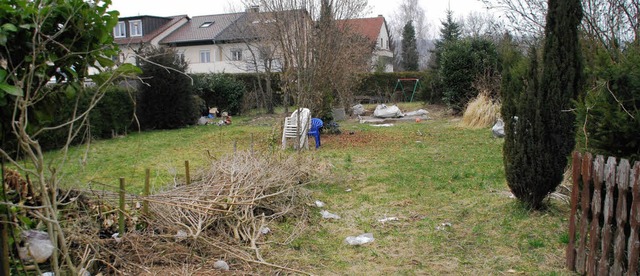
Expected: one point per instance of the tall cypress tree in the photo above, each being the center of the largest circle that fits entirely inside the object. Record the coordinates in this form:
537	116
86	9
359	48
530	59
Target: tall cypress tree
409	48
538	142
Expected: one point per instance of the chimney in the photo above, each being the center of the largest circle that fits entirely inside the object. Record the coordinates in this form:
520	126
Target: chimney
253	9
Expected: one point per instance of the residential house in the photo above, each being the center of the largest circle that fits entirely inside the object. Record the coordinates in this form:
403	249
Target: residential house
375	29
135	32
235	42
198	41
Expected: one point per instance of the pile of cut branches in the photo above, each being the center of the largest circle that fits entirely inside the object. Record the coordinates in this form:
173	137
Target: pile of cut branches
224	214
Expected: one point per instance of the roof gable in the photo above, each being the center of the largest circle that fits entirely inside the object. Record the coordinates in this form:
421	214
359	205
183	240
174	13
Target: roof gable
149	34
367	27
194	30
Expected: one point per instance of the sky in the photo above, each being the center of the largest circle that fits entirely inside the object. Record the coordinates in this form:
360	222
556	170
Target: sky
435	9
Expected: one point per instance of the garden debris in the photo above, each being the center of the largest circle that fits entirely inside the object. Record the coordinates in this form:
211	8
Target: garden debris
116	237
181	235
360	239
265	230
387	219
225	211
358	109
221	265
326	215
347	190
319	204
38	246
498	129
419	112
443	226
382	125
384	111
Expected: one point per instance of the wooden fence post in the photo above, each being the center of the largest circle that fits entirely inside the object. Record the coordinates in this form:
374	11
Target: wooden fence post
121	211
186	168
621	216
596	209
4	243
145	202
584	219
634	243
575	196
610	179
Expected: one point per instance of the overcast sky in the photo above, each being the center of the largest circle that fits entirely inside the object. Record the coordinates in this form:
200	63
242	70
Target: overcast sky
435	8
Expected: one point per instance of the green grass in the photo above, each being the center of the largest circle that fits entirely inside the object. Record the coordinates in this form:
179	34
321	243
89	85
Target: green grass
426	174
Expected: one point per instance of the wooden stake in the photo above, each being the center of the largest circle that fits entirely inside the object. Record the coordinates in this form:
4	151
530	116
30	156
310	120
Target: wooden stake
121	217
4	242
145	203
187	176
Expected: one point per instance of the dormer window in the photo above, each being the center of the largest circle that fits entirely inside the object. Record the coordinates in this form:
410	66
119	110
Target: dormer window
135	27
119	30
206	24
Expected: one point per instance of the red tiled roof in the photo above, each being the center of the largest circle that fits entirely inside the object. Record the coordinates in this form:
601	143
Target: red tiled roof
368	27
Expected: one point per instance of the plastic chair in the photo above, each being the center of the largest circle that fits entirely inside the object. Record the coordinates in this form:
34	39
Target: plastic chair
314	130
296	127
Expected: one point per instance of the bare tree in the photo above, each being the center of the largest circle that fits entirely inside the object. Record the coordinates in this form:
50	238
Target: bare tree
314	52
525	18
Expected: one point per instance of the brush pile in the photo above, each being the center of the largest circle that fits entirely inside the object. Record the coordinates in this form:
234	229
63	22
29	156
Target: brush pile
222	216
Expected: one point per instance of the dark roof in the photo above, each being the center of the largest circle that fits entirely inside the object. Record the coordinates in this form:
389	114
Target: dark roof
368	27
148	37
191	31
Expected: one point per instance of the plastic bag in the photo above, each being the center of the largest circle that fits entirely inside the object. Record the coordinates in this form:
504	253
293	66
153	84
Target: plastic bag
327	215
359	240
384	111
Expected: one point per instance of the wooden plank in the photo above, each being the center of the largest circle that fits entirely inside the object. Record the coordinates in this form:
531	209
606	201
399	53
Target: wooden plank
596	209
584	217
620	239
610	180
575	196
634	242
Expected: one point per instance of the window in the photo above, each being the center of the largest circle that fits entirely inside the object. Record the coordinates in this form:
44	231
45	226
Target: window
205	56
119	30
206	24
135	27
236	54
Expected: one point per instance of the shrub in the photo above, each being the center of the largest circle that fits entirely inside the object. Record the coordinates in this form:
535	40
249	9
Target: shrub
610	114
461	63
165	101
220	90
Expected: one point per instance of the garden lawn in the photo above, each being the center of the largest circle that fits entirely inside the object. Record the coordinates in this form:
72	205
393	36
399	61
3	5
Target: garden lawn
444	184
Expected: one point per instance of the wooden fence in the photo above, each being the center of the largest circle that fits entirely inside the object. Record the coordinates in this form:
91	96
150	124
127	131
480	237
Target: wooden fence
605	216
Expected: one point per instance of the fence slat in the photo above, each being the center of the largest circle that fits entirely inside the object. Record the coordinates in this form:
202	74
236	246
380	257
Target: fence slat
610	180
621	216
575	196
634	243
584	219
596	209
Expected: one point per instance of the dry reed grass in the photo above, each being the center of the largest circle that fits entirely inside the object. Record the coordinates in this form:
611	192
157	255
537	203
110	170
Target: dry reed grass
482	112
219	216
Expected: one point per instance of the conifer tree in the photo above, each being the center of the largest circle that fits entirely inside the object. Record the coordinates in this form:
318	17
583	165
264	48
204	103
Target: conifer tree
409	48
538	142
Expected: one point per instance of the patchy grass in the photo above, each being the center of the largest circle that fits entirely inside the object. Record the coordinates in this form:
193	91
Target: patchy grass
444	183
